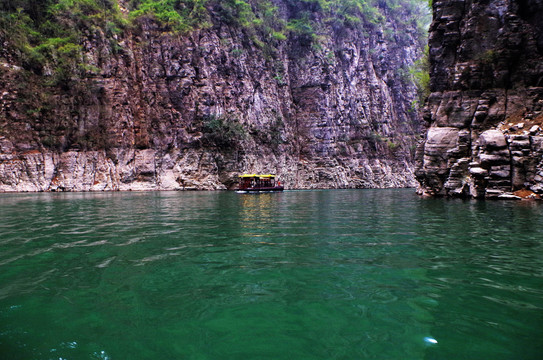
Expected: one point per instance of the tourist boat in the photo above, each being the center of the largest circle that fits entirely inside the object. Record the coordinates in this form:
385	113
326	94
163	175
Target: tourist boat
254	183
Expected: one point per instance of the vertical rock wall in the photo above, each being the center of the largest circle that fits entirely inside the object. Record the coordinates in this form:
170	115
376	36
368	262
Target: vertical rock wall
485	112
164	111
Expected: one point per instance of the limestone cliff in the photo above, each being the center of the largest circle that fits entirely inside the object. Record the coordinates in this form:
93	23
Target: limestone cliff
165	110
485	112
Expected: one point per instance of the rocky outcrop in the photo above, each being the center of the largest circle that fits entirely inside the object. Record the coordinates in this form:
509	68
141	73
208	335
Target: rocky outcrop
159	110
485	112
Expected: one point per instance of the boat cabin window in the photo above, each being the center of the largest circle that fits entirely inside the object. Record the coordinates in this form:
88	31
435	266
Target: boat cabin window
256	182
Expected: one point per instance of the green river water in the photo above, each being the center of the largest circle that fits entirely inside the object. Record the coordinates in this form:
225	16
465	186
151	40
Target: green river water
337	274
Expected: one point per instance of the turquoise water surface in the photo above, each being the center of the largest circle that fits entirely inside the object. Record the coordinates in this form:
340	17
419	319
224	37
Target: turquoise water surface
338	274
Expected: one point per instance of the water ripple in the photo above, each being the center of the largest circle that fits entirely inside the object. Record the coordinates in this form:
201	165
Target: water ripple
309	275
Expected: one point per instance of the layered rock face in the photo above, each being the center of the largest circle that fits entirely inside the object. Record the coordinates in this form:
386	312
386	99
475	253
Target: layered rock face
485	112
163	111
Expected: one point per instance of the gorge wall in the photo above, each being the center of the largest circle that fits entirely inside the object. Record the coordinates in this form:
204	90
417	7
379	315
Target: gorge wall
485	111
324	104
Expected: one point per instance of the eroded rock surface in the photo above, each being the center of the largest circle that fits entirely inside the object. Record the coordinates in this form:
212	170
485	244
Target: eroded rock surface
487	85
171	112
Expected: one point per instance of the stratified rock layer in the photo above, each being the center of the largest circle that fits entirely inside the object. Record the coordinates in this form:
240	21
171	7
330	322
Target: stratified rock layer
171	112
485	112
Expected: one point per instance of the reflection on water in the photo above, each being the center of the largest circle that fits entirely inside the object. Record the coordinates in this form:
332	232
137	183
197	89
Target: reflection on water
366	274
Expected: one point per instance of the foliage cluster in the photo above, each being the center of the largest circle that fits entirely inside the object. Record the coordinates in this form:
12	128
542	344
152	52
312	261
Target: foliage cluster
311	17
48	34
357	13
352	12
177	15
222	132
487	58
420	73
258	18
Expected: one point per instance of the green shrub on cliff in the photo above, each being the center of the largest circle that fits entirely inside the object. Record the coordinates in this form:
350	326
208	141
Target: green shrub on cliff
302	26
222	132
179	15
236	12
352	13
420	72
46	36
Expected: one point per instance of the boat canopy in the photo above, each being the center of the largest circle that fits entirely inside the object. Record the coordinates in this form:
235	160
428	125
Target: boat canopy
259	182
262	176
